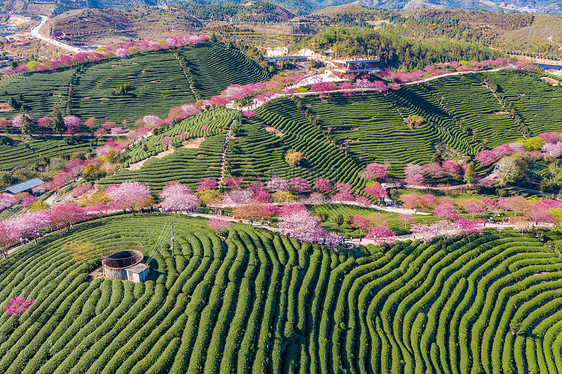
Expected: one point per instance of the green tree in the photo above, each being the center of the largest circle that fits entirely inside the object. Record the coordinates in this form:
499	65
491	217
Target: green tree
469	174
339	220
58	123
27	125
14	104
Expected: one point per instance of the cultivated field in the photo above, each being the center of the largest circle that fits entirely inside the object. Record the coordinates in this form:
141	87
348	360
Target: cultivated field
156	81
259	302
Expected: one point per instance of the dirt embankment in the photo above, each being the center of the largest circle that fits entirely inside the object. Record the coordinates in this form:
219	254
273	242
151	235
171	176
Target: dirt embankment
138	165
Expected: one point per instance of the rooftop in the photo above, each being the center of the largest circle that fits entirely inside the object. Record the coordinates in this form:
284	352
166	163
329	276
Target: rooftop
24	186
356	59
138	268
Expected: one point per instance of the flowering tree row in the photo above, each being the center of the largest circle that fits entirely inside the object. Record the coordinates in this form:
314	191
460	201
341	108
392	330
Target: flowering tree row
450	67
539	211
121	50
544	146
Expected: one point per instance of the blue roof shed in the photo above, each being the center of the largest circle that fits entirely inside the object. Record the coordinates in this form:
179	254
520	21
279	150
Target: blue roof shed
24	186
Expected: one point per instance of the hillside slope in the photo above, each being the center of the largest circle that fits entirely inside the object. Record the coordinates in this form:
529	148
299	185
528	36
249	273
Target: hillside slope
300	7
338	136
155	82
259	302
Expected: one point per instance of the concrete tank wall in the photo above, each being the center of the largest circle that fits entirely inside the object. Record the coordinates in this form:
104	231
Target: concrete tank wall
115	265
114	274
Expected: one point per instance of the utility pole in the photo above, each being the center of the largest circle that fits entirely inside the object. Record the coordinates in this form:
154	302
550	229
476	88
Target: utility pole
173	238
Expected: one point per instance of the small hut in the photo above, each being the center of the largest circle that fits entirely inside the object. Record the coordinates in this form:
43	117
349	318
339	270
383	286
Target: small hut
138	273
23	186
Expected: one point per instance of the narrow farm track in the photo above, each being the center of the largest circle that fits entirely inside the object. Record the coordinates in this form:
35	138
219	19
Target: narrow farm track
259	302
185	74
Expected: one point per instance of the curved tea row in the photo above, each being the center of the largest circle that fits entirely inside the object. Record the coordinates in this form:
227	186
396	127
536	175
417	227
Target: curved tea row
259	302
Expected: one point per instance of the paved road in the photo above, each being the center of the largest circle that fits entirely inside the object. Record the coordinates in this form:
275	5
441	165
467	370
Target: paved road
35	32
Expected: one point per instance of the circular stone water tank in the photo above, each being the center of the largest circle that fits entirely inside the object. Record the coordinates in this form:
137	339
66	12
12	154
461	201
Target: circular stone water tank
116	264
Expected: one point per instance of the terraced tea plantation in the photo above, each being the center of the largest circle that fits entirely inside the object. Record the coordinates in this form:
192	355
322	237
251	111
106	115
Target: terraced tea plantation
459	112
259	302
155	82
332	210
34	150
186	164
262	150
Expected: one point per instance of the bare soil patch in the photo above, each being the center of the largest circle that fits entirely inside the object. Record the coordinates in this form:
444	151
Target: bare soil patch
274	131
138	165
5	107
193	143
96	273
18	20
551	81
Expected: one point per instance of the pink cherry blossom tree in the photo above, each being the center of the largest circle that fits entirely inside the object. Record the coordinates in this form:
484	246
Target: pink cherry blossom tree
80	190
516	204
415	201
447	211
151	119
412	169
233	183
322	185
302	225
362	200
343	195
407	219
18	305
255	211
72	124
474	207
374	172
415	179
503	150
219	225
67	214
381	235
44	122
7	201
468	226
299	185
451	168
290	208
17	121
237	197
28	225
28	200
551	137
176	197
491	205
376	191
166	141
262	196
207	184
552	149
486	158
129	195
359	222
121	52
255	186
434	170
